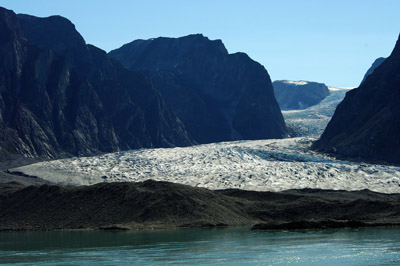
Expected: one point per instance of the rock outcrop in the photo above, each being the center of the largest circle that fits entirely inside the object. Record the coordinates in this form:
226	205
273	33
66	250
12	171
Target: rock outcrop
366	125
299	94
59	96
218	96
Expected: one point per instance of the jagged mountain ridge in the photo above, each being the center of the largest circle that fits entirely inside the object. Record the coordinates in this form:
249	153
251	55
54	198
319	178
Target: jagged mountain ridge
366	125
59	96
299	94
219	96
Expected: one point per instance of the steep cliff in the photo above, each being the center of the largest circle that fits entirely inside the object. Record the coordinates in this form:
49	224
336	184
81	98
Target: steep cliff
218	96
366	125
59	96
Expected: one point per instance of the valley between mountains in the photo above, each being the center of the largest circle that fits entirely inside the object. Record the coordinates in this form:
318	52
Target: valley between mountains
261	165
178	132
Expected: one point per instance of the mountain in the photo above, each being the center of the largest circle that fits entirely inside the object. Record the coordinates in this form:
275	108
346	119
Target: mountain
374	65
366	125
299	94
218	96
59	96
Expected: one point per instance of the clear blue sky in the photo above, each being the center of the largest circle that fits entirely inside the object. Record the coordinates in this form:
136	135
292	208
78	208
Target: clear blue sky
330	41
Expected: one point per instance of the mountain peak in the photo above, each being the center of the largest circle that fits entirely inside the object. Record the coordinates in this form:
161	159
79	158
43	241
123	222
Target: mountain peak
163	50
56	33
8	24
55	20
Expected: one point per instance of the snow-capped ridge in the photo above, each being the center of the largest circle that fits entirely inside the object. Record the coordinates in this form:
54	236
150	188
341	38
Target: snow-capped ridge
299	83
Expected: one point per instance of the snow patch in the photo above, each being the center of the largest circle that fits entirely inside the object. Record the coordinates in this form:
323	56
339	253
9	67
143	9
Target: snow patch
332	89
300	82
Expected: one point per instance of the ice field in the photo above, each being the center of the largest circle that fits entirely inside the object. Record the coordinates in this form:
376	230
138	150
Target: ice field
263	165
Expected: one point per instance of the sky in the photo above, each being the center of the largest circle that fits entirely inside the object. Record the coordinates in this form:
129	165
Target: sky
329	41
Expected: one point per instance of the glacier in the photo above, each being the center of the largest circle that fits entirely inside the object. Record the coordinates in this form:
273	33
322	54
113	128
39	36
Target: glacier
313	120
261	165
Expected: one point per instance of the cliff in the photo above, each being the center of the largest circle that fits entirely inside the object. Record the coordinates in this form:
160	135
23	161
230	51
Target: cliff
218	96
59	96
366	125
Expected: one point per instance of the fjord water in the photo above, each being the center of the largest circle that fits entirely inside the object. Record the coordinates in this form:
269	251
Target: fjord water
223	246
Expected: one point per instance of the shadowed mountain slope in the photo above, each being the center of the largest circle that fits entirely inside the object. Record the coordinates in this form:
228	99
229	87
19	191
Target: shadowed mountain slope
366	125
59	96
218	96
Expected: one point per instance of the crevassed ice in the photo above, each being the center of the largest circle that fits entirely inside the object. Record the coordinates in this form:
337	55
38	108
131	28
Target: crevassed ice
262	165
313	120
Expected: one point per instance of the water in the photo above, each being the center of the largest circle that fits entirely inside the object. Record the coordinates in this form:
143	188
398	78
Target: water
227	246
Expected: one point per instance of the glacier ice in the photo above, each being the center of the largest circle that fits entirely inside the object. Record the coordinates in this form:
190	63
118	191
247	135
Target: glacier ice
262	165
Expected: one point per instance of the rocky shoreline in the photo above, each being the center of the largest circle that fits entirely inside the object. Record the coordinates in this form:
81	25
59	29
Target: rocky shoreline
154	204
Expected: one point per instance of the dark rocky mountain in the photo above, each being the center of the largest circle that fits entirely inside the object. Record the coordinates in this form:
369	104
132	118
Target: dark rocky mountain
299	94
366	125
374	65
59	96
218	96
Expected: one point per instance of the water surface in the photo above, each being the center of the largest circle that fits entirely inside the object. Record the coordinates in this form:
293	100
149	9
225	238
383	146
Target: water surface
226	246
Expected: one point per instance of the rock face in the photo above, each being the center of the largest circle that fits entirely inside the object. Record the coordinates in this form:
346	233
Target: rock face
299	94
366	125
218	96
60	96
374	65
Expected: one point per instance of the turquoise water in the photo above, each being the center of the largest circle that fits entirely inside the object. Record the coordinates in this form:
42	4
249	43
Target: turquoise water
224	246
